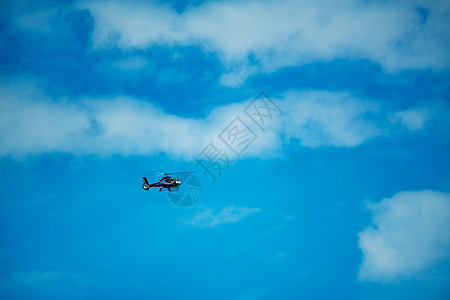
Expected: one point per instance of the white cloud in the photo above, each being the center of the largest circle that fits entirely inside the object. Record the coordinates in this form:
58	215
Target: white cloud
284	33
325	118
133	24
236	77
413	118
230	214
32	122
409	233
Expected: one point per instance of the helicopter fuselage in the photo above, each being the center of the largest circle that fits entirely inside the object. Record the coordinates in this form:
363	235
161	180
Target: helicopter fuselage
166	182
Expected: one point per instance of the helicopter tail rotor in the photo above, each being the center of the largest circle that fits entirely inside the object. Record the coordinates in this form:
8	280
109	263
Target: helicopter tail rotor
145	184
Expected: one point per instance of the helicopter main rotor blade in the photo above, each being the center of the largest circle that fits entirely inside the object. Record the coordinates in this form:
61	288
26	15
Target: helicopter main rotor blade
171	173
158	173
179	173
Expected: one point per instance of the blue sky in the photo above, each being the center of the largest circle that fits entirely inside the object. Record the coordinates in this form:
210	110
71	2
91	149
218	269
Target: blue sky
344	193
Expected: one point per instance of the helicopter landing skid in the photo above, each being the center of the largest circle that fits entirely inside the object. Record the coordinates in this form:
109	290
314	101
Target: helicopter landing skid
169	189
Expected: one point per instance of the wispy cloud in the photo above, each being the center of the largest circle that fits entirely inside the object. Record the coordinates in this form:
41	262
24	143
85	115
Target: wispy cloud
32	122
397	35
131	63
37	20
39	283
413	118
230	214
320	118
409	233
57	284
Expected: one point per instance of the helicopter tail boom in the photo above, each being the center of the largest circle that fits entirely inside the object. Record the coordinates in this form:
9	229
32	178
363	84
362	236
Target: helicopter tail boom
146	186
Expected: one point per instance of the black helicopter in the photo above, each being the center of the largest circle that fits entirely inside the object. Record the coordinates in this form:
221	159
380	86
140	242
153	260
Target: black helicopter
166	182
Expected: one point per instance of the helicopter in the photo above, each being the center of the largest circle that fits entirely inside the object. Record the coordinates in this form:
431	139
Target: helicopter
166	182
